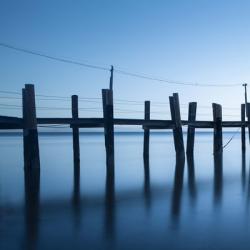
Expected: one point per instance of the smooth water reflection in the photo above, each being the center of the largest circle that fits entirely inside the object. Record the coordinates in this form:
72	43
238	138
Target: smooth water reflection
32	207
177	203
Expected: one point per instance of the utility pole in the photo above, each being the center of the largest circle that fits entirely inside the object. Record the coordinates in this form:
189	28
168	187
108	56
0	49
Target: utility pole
245	87
111	78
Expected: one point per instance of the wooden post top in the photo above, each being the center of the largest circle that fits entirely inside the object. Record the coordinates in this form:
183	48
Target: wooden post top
217	110
108	96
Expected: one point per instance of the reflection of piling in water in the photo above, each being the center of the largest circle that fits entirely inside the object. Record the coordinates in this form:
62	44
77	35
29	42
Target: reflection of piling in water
218	178
76	193
147	191
32	190
110	205
243	170
108	115
191	177
178	184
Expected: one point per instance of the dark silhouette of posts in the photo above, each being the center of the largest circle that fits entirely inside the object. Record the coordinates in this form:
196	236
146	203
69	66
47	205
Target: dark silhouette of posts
25	135
243	170
243	130
146	130
248	119
217	117
191	129
191	177
176	118
147	189
75	129
177	187
32	207
108	115
76	195
111	77
30	133
218	178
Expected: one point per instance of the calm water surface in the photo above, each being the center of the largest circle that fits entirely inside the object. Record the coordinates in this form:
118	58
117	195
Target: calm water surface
202	203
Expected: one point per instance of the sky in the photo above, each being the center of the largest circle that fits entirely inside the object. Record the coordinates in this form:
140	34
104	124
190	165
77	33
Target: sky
201	41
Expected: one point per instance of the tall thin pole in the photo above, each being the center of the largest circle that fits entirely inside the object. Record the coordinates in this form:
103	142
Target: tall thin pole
111	78
247	106
245	87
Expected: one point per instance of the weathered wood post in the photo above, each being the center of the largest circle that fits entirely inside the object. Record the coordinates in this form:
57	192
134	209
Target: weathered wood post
75	129
176	118
217	117
108	116
146	130
243	130
25	135
191	129
30	133
248	119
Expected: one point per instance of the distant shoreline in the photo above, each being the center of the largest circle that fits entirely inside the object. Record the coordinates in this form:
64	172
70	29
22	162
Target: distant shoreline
8	133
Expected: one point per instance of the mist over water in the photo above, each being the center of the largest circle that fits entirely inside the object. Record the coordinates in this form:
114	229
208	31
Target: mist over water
163	203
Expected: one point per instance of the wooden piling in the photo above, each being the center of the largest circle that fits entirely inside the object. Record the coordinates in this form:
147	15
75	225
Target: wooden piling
176	119
248	119
30	133
75	129
25	135
243	130
217	117
146	130
108	115
191	129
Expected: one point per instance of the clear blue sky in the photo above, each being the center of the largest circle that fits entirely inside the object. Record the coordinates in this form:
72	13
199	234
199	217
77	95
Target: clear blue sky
201	41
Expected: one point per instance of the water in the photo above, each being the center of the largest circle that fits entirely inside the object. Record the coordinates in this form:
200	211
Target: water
149	206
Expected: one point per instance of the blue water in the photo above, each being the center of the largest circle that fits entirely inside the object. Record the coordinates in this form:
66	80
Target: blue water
199	204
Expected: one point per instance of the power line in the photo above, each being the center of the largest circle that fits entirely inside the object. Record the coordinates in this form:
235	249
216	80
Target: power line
53	57
10	92
147	77
116	101
117	70
98	100
117	110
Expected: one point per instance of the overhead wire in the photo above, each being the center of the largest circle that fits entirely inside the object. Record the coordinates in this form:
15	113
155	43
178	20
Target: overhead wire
94	100
117	69
52	57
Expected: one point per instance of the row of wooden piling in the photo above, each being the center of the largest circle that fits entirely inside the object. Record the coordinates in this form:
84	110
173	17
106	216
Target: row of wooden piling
30	122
